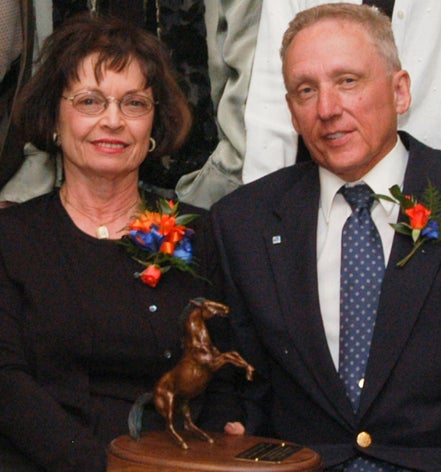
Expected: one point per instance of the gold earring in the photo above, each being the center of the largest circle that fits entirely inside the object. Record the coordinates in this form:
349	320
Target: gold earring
152	145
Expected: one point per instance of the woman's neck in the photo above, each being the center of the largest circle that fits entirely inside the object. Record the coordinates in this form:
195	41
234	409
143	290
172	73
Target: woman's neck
101	213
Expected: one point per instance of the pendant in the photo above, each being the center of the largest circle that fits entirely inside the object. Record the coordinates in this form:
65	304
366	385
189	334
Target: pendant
102	232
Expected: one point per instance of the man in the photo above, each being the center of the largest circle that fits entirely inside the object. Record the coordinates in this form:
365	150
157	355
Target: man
280	242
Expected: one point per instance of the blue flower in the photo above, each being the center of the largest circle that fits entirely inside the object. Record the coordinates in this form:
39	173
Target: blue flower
431	231
184	250
150	241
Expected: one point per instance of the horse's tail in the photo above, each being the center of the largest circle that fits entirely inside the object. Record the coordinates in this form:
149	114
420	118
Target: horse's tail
135	415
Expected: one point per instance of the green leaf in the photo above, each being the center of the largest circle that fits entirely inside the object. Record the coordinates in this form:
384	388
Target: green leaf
396	192
185	219
379	196
165	208
431	199
402	228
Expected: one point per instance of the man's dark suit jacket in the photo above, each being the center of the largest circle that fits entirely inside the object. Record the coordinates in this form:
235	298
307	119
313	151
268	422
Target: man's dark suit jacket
266	232
11	144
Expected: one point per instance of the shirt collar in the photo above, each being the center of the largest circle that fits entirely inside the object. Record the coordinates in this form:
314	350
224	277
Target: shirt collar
388	172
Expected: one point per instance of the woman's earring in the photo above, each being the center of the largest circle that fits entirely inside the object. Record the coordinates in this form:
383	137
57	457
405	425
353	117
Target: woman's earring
152	145
56	139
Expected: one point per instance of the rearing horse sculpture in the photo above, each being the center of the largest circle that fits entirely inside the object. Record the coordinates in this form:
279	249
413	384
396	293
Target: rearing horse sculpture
190	376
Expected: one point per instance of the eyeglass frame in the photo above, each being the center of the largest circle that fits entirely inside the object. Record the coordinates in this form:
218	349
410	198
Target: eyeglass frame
108	100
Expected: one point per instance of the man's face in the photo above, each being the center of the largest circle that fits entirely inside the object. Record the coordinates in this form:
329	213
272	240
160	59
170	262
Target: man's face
343	99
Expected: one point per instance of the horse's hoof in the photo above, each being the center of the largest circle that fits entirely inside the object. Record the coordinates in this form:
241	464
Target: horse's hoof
250	376
184	446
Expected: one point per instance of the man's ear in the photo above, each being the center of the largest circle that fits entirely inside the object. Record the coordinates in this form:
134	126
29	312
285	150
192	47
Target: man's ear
402	95
291	109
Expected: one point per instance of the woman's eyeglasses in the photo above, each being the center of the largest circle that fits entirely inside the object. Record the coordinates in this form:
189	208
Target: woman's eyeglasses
132	105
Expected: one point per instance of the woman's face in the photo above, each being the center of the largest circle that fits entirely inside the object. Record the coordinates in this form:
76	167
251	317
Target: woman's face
108	144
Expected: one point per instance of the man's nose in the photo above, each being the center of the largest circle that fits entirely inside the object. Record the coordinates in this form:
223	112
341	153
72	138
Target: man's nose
328	103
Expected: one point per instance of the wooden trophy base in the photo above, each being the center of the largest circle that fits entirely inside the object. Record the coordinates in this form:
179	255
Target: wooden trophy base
157	451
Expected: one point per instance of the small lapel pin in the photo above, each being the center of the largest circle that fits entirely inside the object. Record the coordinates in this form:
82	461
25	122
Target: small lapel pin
277	239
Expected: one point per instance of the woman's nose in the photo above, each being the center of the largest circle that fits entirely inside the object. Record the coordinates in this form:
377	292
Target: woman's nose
112	115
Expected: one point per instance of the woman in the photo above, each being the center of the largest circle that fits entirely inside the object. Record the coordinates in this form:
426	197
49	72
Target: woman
80	337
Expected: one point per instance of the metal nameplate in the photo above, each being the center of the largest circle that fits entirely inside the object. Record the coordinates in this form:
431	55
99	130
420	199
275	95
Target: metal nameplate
268	452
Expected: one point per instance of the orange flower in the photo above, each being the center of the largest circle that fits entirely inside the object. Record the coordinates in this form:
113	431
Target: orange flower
418	215
145	221
167	223
173	233
151	275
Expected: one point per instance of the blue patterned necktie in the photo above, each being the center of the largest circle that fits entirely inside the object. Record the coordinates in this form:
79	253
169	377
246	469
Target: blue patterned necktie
362	270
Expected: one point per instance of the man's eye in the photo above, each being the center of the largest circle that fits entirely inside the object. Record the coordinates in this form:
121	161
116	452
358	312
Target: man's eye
305	92
348	81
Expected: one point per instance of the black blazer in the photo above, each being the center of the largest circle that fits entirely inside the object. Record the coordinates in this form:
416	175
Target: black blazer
266	233
11	145
81	338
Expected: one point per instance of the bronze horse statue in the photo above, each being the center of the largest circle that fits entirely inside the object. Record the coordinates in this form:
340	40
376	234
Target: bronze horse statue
190	376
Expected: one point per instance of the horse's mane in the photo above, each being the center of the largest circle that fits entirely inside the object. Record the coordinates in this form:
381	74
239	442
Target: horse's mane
190	307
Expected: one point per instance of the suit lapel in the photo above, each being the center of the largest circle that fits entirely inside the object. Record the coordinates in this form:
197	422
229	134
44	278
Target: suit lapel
293	257
403	294
291	247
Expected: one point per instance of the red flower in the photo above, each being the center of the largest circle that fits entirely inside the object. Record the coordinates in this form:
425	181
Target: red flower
418	215
151	275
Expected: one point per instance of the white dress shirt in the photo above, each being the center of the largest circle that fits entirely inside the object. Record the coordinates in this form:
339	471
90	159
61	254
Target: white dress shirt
333	212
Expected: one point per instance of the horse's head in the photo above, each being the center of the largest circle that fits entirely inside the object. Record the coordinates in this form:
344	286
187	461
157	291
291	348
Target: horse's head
210	308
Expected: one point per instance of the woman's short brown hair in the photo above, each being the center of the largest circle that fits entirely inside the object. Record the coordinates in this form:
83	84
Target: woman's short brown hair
115	43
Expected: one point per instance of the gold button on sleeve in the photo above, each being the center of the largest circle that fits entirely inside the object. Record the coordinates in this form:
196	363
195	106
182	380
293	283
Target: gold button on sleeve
364	439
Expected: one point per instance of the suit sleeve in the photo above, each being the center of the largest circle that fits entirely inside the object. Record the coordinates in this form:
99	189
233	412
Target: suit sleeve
255	395
221	402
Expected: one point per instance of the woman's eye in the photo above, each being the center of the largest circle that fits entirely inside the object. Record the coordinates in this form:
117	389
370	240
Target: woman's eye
137	103
89	101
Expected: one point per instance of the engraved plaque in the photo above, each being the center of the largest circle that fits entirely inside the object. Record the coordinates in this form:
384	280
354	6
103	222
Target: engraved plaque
268	452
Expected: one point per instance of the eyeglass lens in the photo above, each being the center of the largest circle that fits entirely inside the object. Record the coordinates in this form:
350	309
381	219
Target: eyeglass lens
93	103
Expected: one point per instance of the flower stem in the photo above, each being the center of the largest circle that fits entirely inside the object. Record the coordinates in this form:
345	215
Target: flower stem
416	246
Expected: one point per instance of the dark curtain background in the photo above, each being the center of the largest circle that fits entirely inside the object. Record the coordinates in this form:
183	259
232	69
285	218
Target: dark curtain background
182	28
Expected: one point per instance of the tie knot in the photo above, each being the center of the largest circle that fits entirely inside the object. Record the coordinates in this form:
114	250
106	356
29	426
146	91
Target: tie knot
359	196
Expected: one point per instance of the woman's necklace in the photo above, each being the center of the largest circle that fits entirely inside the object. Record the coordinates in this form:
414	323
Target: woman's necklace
102	228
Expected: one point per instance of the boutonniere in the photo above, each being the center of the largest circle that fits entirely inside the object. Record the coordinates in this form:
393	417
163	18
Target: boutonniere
424	217
160	240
